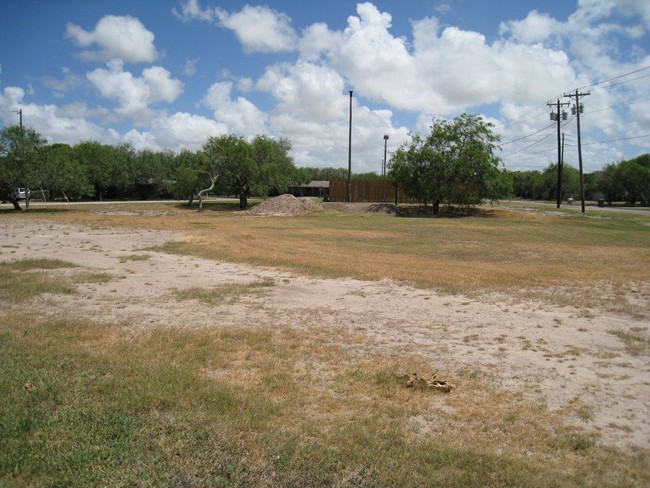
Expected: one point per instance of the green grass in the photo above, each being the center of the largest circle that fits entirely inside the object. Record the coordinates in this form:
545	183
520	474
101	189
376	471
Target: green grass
95	405
25	279
135	257
224	294
634	343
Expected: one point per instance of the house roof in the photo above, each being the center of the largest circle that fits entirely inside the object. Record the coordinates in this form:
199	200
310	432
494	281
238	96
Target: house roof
314	184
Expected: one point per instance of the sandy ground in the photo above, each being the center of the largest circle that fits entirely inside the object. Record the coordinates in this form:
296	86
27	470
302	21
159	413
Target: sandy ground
559	356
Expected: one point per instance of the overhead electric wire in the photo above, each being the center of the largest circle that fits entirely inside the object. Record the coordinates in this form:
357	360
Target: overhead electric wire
527	136
615	140
615	78
536	142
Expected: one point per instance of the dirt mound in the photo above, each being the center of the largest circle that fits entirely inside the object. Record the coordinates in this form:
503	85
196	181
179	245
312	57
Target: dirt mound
383	208
285	205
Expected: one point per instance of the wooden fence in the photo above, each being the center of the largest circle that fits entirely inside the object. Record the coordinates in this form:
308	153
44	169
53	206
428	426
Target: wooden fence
381	191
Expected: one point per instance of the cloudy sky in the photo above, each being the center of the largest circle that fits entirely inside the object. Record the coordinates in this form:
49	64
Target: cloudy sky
167	74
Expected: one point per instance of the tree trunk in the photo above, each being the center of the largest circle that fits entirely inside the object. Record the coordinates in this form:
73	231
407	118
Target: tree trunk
435	208
243	200
213	179
15	203
189	204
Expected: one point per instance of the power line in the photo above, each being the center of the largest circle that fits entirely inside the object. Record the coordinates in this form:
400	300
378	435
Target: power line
616	140
527	136
616	78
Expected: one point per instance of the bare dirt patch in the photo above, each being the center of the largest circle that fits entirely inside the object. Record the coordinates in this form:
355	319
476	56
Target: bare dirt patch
561	357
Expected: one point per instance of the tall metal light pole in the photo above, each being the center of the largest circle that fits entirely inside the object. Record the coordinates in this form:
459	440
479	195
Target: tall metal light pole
383	173
350	154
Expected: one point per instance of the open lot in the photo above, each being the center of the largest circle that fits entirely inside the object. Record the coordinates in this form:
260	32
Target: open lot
156	345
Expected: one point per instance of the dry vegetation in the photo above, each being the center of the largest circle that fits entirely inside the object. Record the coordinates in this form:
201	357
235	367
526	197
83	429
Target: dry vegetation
89	403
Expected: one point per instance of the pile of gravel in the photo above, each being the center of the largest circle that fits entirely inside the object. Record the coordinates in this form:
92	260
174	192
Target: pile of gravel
285	205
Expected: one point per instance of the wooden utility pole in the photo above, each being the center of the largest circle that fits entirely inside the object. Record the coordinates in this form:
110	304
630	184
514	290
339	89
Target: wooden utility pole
558	117
577	110
350	154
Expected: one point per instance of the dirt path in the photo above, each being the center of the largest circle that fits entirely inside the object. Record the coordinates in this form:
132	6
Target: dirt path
559	356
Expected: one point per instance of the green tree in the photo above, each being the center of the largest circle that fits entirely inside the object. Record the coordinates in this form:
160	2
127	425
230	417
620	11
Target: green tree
97	158
227	163
635	179
545	183
185	176
523	183
273	164
20	156
62	174
455	164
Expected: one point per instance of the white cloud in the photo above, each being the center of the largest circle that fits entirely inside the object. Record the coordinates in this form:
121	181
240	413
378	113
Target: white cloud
122	37
67	125
134	95
190	67
60	87
192	11
536	27
260	29
178	131
240	115
306	90
446	72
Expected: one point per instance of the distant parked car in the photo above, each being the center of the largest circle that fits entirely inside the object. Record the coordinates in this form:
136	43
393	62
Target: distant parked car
21	193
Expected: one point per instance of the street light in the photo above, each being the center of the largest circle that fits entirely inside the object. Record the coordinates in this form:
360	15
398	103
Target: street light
383	173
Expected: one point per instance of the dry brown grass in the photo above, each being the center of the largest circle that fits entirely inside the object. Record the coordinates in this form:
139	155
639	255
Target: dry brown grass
561	259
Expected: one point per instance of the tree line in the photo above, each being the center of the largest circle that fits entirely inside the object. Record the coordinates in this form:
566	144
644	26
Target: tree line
625	181
225	165
455	165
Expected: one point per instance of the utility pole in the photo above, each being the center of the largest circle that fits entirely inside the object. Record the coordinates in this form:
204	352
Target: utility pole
350	154
558	117
384	167
20	117
577	110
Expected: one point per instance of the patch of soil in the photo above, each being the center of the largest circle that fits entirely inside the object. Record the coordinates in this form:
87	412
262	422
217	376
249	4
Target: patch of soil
286	205
383	208
574	362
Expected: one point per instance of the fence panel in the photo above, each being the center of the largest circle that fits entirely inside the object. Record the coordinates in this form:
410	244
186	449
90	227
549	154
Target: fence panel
367	191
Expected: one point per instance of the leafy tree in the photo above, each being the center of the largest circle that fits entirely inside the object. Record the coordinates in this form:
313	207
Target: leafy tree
608	183
151	170
98	159
455	164
61	173
274	166
225	161
185	175
544	184
20	154
635	179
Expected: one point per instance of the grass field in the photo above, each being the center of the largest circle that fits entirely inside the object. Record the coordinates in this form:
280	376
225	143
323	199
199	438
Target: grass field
83	404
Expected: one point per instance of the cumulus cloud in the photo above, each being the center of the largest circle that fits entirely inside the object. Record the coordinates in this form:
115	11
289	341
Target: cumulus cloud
61	86
192	11
306	90
58	124
536	27
178	131
122	37
443	72
240	115
190	67
133	94
260	29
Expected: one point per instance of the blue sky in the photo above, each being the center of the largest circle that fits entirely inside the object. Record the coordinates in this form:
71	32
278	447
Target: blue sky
169	74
